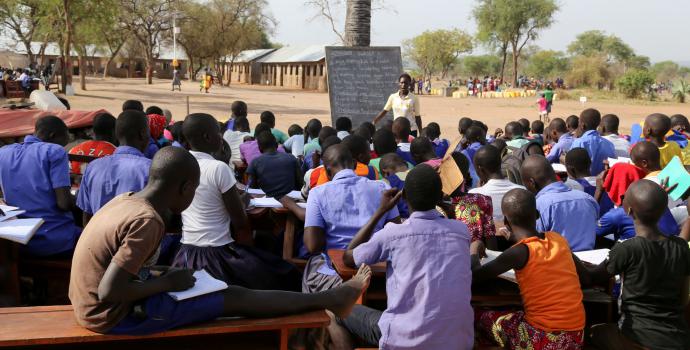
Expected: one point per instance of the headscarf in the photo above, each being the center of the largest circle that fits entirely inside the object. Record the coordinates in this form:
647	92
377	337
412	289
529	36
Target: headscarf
157	124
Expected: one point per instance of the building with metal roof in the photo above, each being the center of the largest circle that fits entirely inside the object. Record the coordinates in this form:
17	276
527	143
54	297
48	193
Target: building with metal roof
296	67
246	68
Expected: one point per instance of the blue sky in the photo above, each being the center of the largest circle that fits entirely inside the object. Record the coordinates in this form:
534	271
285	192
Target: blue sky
658	29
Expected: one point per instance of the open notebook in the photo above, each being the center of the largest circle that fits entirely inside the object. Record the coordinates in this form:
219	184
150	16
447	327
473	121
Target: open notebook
19	230
591	256
205	284
269	202
10	212
296	195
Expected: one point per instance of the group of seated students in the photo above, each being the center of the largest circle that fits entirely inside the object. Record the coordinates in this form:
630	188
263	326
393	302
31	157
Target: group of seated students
380	195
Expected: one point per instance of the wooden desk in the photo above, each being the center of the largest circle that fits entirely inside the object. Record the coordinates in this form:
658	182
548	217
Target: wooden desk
346	272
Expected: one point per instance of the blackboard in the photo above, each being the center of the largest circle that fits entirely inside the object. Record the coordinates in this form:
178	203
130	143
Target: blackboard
360	79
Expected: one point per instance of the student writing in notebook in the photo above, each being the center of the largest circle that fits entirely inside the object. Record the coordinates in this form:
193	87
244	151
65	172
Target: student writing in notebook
553	315
114	289
275	173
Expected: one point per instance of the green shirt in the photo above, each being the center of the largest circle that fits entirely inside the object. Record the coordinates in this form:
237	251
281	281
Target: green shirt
280	136
548	95
312	146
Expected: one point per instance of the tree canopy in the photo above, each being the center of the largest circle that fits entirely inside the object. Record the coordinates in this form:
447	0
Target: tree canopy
437	51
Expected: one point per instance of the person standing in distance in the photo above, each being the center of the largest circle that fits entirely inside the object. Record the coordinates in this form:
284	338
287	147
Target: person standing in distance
404	104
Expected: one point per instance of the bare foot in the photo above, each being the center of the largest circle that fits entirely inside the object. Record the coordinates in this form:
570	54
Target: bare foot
347	294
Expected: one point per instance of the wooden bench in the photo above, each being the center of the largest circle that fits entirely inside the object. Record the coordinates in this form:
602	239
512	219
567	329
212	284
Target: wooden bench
55	326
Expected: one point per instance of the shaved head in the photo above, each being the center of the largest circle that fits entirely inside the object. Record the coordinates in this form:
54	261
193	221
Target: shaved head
336	158
202	132
176	170
558	125
646	155
520	208
645	201
537	173
423	188
131	129
488	158
657	124
52	129
590	119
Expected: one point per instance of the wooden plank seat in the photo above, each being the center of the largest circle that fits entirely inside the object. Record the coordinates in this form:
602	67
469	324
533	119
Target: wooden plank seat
56	326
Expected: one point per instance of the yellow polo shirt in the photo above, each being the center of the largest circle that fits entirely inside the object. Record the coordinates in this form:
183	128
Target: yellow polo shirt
404	106
668	151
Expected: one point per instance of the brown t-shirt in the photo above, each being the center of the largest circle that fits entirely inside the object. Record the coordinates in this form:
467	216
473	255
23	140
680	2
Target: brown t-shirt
126	231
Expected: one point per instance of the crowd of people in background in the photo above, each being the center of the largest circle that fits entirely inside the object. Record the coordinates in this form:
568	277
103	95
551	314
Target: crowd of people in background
534	191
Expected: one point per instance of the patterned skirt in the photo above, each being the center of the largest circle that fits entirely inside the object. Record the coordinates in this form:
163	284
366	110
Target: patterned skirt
510	329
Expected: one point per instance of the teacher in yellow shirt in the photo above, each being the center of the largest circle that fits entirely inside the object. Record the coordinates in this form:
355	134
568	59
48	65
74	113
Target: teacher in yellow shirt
404	104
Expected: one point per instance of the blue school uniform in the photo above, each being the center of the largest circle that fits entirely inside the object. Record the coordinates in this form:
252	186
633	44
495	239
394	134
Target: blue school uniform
406	155
29	173
605	203
441	147
126	170
621	226
151	149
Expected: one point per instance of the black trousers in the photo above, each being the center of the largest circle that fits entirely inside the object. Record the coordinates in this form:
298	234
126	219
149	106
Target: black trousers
363	323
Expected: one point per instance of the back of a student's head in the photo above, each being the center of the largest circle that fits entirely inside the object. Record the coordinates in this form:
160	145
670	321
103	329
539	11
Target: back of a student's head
525	125
558	126
104	126
680	122
202	132
337	157
609	123
358	147
481	125
176	172
646	155
261	127
433	131
645	201
370	126
241	124
590	119
656	125
133	105
343	124
572	122
401	129
475	134
364	132
313	128
326	132
514	129
423	188
487	161
295	129
266	141
176	131
537	127
500	145
131	129
392	163
384	142
267	117
52	129
239	109
519	207
577	162
422	150
154	110
463	124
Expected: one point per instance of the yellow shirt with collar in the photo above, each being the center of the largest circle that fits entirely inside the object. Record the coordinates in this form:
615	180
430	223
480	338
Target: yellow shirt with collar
404	106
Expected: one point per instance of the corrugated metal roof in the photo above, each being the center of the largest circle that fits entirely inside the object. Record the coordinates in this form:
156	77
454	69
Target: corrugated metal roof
251	55
311	53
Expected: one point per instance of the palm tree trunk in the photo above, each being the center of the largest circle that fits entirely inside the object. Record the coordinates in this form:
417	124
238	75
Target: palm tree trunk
358	23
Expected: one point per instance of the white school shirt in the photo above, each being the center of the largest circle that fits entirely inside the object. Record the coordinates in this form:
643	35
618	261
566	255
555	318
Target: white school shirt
206	223
404	106
295	144
496	189
234	140
620	144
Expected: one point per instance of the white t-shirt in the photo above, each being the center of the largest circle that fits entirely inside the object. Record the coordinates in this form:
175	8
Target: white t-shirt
295	144
620	144
404	106
234	140
496	189
206	222
342	134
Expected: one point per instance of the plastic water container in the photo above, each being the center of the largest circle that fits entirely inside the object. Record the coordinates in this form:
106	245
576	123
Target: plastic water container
46	101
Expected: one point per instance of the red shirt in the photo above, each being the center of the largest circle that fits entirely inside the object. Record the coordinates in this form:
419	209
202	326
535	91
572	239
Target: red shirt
90	148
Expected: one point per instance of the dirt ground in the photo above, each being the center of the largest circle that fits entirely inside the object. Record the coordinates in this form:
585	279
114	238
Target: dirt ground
294	106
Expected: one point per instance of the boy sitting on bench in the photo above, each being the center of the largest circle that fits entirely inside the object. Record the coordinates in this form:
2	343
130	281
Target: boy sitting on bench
114	289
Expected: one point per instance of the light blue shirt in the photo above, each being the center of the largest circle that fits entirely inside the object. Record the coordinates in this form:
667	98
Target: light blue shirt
29	174
599	149
428	282
572	214
564	143
126	170
345	204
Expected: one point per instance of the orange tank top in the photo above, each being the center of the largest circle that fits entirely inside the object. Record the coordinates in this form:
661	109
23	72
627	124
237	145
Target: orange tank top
549	285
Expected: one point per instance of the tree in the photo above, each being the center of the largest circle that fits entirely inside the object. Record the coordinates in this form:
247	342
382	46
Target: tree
635	82
358	23
22	18
682	89
596	42
487	19
547	64
477	66
147	20
519	22
588	71
665	70
437	51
